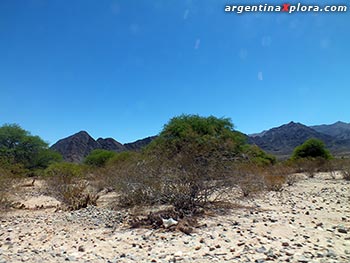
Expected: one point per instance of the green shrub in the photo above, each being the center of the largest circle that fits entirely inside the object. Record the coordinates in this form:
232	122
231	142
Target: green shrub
99	157
312	148
191	162
188	162
66	171
257	156
121	157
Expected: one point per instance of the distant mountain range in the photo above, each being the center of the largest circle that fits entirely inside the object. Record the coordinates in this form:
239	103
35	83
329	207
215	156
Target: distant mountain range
279	141
282	140
77	146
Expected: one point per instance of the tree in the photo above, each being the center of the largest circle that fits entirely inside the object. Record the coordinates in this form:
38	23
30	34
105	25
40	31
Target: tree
18	146
99	157
207	133
312	148
190	161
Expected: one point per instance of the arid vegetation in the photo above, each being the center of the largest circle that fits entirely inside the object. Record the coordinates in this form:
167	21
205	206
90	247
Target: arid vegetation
194	163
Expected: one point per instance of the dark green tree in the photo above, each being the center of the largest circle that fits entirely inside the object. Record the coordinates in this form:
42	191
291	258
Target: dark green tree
312	148
18	146
190	160
203	134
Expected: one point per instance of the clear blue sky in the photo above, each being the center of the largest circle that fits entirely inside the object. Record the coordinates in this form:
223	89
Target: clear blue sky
123	68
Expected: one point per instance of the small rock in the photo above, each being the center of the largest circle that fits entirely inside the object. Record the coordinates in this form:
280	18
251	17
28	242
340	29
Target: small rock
178	253
331	254
303	260
342	229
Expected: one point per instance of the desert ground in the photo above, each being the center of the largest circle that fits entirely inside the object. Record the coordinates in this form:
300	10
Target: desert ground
306	222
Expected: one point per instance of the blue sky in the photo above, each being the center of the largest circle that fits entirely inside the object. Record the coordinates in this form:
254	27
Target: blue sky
123	68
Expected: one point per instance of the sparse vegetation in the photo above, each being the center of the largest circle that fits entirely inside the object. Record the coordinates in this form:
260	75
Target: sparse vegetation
343	166
6	180
193	162
66	182
190	162
346	173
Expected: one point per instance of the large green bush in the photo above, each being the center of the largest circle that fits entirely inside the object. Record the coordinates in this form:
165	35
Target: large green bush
19	148
99	157
194	130
190	161
64	170
312	148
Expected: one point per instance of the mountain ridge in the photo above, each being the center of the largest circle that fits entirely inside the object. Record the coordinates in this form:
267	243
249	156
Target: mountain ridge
76	147
282	140
279	141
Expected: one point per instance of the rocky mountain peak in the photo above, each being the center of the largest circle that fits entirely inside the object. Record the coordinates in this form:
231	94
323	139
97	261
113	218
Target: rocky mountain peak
75	147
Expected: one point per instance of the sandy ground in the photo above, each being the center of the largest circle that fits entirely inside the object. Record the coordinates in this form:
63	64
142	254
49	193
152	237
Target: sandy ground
306	222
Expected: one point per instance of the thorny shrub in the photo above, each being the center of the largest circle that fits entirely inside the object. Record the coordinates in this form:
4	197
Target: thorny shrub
65	182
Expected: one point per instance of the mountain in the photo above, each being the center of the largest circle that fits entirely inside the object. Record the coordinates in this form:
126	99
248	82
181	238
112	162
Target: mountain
137	145
77	146
111	145
257	134
279	141
282	140
339	130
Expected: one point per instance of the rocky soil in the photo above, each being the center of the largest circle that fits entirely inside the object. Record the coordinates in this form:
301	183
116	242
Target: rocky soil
306	222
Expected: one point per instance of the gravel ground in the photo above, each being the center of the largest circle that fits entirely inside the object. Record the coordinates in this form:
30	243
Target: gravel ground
307	222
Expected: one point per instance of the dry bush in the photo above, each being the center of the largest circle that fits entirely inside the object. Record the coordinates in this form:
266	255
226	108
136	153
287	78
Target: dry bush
253	179
279	175
346	173
310	166
274	182
291	179
107	177
6	182
66	183
190	164
186	181
344	167
249	178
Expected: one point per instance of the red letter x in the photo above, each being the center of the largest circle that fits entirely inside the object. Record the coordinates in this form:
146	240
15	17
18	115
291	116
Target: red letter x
285	7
